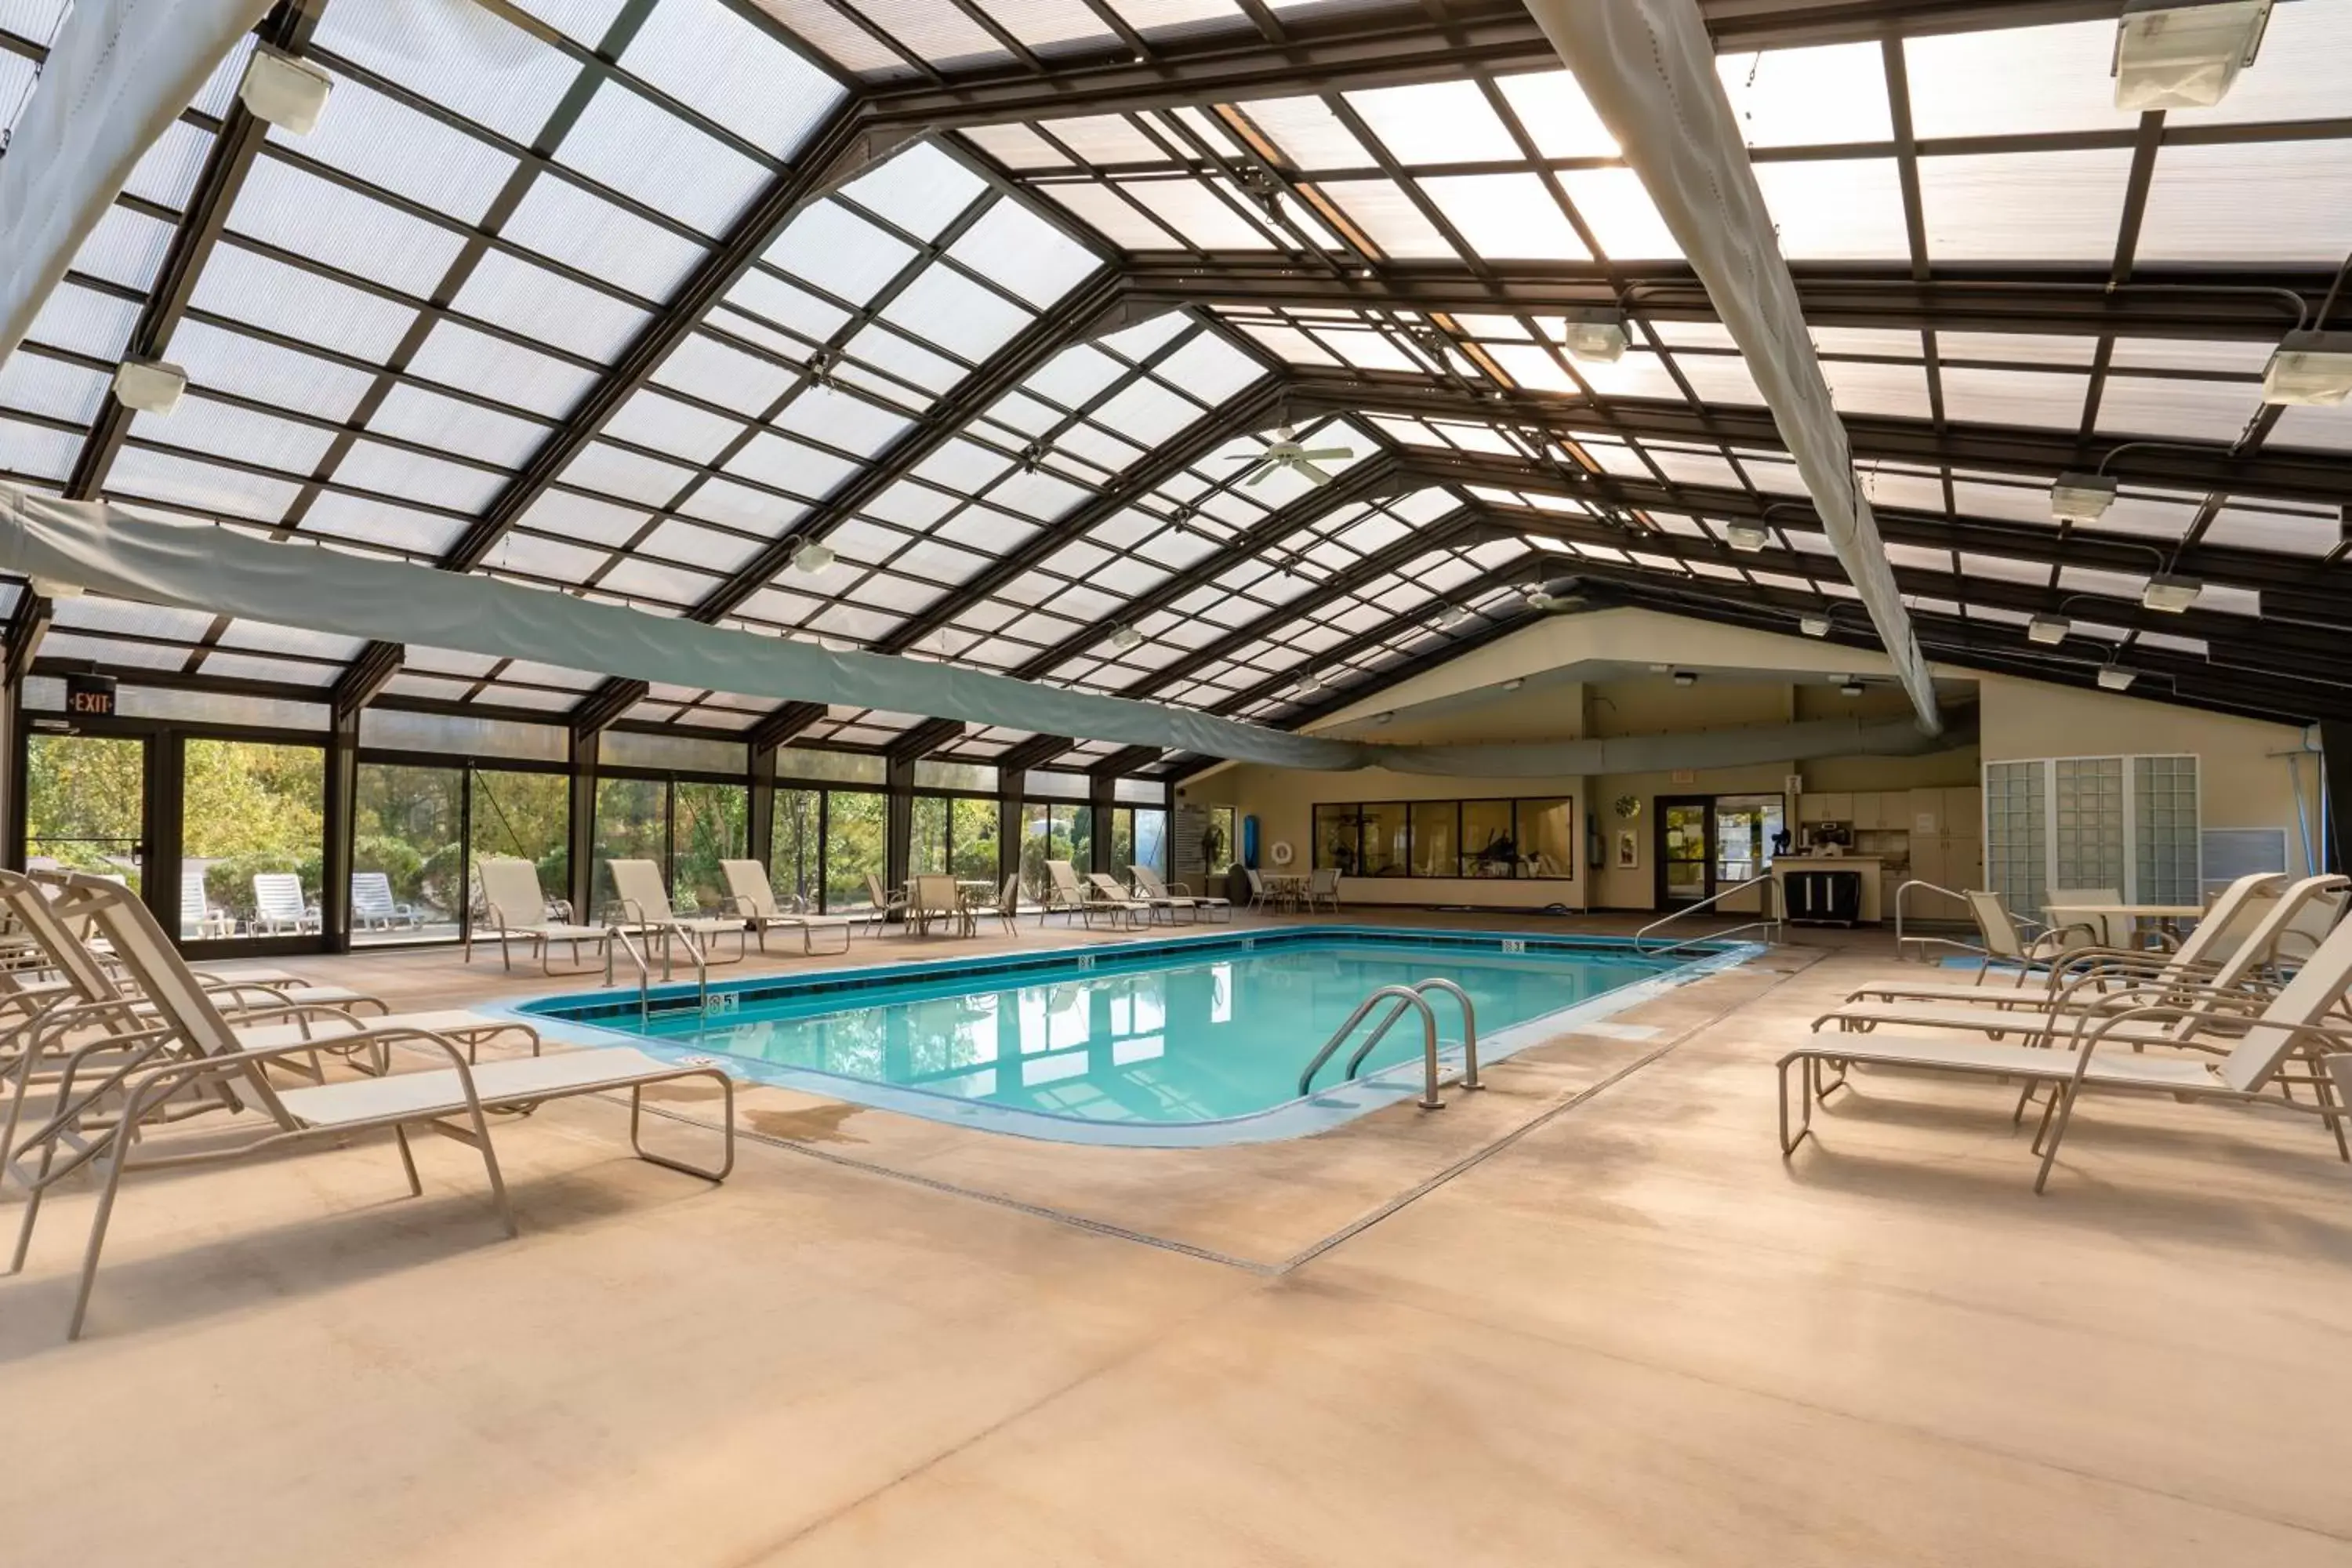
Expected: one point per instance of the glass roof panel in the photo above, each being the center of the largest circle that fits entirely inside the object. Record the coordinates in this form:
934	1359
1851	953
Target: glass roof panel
2025	206
1808	97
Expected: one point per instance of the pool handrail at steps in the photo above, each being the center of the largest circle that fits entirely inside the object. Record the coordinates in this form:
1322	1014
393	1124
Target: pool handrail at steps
1406	996
1770	922
1903	946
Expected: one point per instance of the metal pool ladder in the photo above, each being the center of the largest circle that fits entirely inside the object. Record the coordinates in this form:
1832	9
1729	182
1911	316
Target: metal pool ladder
1413	996
619	933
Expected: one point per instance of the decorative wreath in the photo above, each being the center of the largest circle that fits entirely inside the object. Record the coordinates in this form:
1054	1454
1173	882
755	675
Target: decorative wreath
1281	853
1629	807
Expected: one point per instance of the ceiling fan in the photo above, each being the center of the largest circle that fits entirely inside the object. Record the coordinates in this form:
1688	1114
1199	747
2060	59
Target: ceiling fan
1285	452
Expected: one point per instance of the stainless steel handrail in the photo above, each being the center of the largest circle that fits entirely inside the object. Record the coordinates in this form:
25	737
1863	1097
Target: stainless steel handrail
614	934
1469	1031
1903	945
1772	923
1406	996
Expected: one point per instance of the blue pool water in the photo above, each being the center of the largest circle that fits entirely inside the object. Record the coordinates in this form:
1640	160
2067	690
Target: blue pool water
1183	1032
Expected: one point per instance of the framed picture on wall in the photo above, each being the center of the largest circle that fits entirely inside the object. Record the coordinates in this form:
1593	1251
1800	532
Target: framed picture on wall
1629	850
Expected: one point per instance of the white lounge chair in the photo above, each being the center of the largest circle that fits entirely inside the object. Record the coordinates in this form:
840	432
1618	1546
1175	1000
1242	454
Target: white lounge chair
754	902
2099	987
885	904
514	908
1148	889
199	919
279	905
2086	1055
374	909
642	904
1007	907
1106	898
1204	905
1065	895
2242	913
103	1120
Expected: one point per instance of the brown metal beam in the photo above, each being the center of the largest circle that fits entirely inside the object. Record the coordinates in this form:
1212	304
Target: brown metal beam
782	724
923	740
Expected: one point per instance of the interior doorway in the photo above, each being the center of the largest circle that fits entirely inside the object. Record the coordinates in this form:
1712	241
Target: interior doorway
1709	843
85	806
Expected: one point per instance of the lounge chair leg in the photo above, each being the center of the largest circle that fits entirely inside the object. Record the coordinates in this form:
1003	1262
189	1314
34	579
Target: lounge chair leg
408	1162
2042	1129
725	1122
2050	1156
2023	1101
98	1222
32	1208
490	1164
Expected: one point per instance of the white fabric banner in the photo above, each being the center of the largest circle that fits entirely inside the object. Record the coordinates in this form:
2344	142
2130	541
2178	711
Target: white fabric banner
121	71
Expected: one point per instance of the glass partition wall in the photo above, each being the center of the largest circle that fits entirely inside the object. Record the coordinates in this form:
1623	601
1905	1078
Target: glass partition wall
686	827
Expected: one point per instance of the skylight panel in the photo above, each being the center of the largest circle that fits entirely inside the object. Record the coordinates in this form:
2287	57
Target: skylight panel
1389	218
1015	146
1089	443
1043	23
904	358
842	420
35	452
1288	343
1899	390
1308	135
224	430
1841	209
2321	427
1037	495
666	425
837	251
1810	96
1100	139
222	361
83	320
2287	534
535	303
2025	206
2300	75
726	68
1151	16
1510	216
466	429
641	579
35	383
1624	221
1209	369
425	535
167	171
1195	209
2013	81
1111	214
1719	378
610	471
317	219
644	152
2180	407
919	191
696	546
2014	397
463	56
125	247
790	466
949	310
263	636
206	487
2272	203
1550	106
1535	368
1148	412
702	367
2022	348
2006	503
1436	122
396	148
559	220
392	471
456	355
1913	493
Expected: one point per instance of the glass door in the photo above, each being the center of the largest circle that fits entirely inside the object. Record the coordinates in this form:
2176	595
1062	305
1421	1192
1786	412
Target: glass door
253	841
86	806
1685	851
1745	825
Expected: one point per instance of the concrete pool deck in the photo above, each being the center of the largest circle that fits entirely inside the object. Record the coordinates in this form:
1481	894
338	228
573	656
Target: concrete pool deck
1589	1317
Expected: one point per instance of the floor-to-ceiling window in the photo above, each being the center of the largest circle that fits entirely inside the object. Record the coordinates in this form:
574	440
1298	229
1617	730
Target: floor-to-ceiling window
1053	831
857	842
797	847
632	824
85	805
408	864
926	837
253	822
975	834
1139	837
523	816
712	822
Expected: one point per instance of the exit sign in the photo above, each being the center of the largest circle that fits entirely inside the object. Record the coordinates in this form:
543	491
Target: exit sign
89	696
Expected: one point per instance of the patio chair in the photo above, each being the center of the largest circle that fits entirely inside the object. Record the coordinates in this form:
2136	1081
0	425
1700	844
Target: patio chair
514	908
102	1119
934	897
1204	905
1006	908
280	905
1323	888
2244	909
1260	895
199	919
641	903
2104	930
2289	1025
374	909
1064	894
2097	986
752	900
885	903
1106	898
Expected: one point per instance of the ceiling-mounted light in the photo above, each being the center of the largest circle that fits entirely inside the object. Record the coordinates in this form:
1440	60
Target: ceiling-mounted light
2114	679
1384	717
1685	678
2171	595
1815	626
1746	537
2309	370
1540	600
1850	687
1310	681
812	557
284	90
2048	629
1452	615
2082	498
1594	336
1514	683
149	386
2184	54
1125	637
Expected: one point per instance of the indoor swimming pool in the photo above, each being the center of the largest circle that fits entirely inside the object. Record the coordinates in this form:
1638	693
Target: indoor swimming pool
1185	1040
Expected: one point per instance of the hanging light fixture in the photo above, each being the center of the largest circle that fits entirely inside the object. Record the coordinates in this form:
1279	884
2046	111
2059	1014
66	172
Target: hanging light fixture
149	386
1850	687
2184	54
1125	637
2114	679
284	90
1594	336
1685	678
812	557
1815	626
2171	595
2051	629
2309	370
1746	537
2082	498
